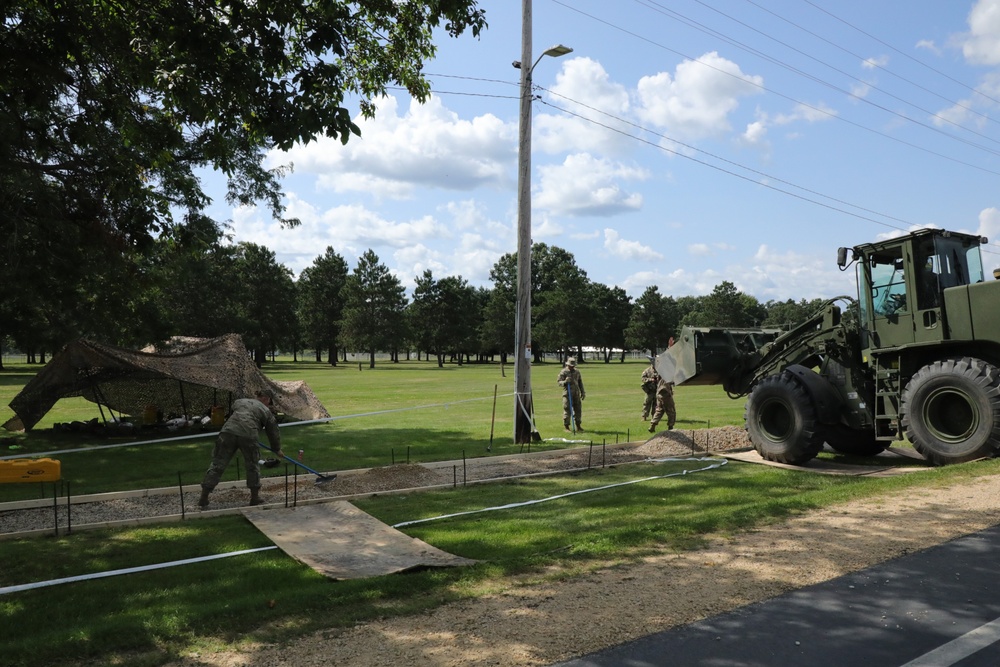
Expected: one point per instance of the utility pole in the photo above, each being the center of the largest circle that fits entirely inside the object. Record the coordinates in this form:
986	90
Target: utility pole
524	413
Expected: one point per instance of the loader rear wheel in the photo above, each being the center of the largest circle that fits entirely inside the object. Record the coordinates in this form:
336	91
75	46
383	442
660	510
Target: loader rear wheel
854	441
781	421
951	410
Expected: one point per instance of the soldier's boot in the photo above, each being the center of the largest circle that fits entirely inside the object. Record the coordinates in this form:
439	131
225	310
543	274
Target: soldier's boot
652	428
203	501
579	428
255	497
566	427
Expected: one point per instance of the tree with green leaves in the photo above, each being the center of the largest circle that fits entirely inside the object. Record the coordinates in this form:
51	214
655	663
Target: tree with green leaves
653	322
727	307
109	110
443	316
562	312
496	331
614	308
787	314
268	297
321	302
195	282
374	305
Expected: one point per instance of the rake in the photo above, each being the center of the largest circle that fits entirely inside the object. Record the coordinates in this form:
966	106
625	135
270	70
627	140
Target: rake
320	477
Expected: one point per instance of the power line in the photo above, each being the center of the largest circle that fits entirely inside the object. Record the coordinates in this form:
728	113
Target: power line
805	105
727	161
875	64
775	61
778	62
903	53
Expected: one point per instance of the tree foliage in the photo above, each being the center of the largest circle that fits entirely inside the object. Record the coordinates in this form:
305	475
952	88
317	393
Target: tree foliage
374	303
109	110
321	302
444	315
653	321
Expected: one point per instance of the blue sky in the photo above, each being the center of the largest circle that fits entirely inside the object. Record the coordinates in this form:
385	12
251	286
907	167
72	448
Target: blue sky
681	144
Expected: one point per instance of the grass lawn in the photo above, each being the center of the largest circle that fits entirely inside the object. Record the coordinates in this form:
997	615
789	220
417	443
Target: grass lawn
396	410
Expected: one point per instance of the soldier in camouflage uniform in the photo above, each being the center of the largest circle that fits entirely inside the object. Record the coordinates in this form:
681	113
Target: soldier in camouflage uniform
664	404
571	381
239	433
649	379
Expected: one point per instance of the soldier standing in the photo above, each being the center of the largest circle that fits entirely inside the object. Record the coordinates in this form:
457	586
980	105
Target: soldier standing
573	394
649	380
664	404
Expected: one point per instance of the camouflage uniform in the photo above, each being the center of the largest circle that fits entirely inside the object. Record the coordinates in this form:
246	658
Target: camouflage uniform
664	404
649	379
571	381
240	433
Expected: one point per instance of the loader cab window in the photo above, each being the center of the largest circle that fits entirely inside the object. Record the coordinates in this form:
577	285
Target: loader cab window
888	283
958	262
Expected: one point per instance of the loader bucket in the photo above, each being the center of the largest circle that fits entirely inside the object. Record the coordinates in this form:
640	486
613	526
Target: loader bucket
702	356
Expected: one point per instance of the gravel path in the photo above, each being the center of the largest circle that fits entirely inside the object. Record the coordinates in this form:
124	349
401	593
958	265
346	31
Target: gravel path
231	496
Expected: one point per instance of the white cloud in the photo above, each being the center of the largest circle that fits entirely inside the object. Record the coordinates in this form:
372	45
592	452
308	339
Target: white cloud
601	103
628	250
929	45
429	145
813	113
696	102
755	134
587	186
981	45
875	62
989	224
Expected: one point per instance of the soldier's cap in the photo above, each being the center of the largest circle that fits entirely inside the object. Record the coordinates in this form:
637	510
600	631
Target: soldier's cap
571	361
266	392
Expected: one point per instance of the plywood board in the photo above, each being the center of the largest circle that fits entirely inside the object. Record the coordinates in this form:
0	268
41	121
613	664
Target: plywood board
342	542
825	467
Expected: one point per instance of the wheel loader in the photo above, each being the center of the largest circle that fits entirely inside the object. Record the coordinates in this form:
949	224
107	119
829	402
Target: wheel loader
916	357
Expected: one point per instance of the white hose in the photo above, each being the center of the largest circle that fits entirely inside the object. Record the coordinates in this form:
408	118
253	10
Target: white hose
718	464
128	570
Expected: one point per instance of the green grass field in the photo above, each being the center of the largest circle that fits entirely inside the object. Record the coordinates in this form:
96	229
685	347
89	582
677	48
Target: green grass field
411	409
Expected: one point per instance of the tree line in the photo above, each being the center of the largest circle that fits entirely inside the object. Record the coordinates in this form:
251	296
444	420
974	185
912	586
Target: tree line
196	283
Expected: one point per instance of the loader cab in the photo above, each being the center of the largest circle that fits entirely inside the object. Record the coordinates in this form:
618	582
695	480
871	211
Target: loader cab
901	284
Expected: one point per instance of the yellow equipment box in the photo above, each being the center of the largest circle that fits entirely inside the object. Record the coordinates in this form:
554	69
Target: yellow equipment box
29	470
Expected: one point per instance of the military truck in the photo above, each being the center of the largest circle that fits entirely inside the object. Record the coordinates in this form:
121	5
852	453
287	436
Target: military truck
915	356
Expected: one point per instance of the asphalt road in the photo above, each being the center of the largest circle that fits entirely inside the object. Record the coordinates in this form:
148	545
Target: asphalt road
935	608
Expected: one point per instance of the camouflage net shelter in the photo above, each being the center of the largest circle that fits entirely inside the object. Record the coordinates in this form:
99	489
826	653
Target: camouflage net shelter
186	377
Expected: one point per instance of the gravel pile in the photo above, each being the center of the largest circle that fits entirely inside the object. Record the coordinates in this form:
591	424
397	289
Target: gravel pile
162	503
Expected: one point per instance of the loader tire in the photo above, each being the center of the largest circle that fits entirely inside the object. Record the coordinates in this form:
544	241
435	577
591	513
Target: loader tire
854	441
950	410
781	421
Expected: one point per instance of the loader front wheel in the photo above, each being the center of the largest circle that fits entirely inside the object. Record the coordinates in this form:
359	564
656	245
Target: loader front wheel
781	421
951	410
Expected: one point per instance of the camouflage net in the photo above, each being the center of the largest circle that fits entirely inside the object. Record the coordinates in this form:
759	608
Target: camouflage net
188	377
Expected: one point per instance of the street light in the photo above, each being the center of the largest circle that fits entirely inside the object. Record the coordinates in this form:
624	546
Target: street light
523	407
